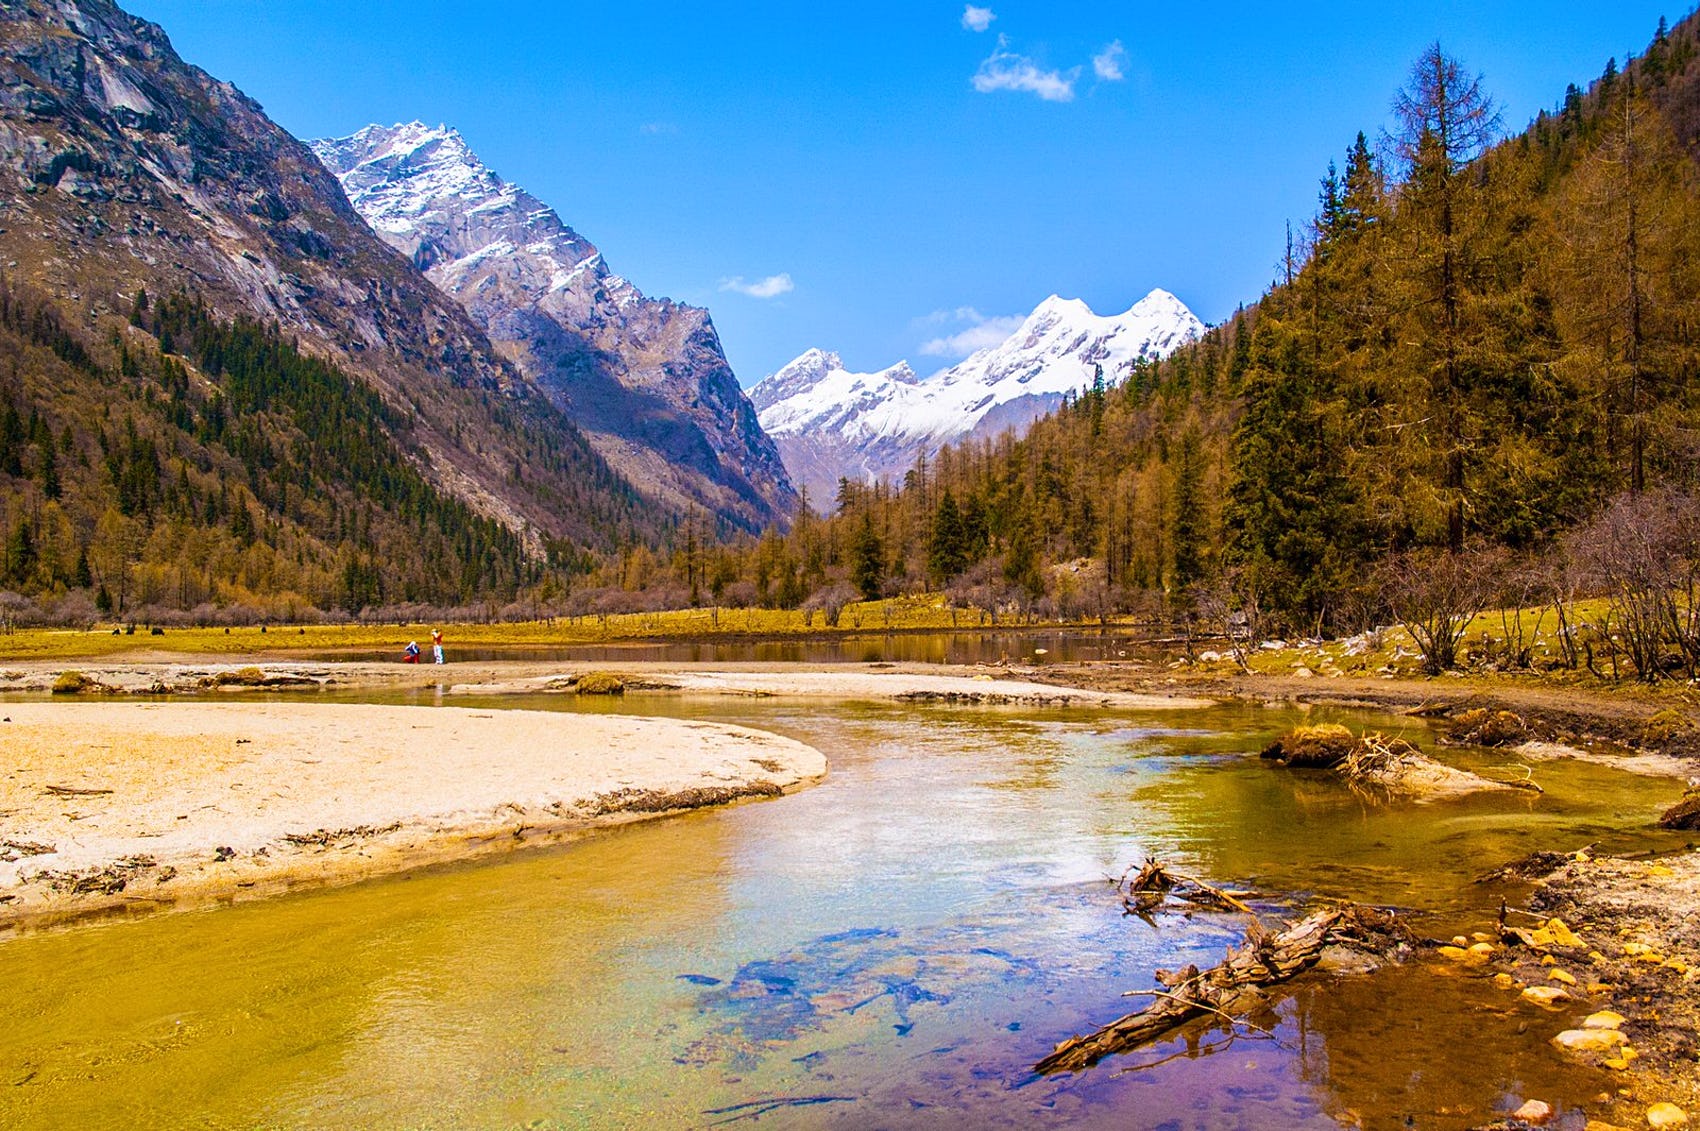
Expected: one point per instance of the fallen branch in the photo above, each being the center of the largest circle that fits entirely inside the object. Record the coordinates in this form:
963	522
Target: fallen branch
1263	959
72	791
1156	881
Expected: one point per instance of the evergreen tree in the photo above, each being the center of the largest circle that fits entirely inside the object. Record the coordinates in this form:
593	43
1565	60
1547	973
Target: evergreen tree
1186	516
867	565
1446	120
947	553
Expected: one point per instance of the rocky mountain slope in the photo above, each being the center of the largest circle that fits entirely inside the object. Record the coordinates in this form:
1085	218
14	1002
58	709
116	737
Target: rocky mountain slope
645	378
124	169
830	423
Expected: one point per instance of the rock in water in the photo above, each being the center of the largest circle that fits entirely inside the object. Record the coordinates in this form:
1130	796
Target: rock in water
1535	1113
1685	814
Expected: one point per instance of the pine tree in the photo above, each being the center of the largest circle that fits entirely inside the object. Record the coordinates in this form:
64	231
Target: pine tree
867	564
1186	515
946	552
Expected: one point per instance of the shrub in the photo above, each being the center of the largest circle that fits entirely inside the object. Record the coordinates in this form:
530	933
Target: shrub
73	683
600	683
1324	746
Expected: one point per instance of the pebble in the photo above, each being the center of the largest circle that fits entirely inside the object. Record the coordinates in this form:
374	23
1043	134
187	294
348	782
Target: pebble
1504	981
1535	1113
1666	1115
1562	976
1604	1019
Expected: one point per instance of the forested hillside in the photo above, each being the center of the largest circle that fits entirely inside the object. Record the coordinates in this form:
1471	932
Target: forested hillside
194	463
303	423
1475	345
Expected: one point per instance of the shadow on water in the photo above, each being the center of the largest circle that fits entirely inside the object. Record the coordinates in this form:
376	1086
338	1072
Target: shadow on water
893	948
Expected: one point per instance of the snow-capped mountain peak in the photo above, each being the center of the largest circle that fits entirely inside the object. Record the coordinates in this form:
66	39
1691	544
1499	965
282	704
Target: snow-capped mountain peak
646	379
830	423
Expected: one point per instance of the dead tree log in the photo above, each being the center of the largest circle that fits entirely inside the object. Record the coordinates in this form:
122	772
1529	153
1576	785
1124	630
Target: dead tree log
1263	959
1156	882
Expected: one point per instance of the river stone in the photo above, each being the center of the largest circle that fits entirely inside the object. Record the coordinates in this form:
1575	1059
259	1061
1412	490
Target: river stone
1562	935
1604	1019
1589	1040
1535	1113
1666	1115
1545	995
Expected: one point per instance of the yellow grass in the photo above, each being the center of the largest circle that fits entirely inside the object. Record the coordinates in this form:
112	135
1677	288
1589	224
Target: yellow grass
896	614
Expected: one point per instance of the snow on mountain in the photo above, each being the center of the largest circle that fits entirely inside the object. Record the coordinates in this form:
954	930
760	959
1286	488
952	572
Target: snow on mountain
645	378
830	423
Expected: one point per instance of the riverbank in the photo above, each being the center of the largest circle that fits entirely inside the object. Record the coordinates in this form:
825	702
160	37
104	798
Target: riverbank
163	674
205	794
115	806
1636	946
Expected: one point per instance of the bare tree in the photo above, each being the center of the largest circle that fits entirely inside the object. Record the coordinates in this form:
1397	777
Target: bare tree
1435	595
1643	552
1231	606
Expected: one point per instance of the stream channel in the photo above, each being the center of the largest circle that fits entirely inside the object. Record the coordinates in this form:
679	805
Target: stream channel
893	948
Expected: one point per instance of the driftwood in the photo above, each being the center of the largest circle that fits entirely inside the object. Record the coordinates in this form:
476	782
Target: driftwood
1263	959
1156	882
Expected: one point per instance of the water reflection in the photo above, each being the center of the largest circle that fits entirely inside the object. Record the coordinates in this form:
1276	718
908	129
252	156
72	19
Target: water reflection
990	646
894	948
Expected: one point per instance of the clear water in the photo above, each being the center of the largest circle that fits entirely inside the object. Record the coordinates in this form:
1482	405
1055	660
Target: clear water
893	948
983	646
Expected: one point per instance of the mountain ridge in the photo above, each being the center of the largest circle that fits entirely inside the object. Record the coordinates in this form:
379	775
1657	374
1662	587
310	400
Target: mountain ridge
133	170
646	379
832	424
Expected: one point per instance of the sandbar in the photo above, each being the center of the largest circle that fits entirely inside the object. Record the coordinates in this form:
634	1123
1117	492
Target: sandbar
113	805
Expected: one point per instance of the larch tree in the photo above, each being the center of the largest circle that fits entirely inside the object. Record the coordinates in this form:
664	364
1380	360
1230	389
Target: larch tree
1446	120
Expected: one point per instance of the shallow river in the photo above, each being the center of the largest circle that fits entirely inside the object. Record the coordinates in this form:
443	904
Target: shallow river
893	948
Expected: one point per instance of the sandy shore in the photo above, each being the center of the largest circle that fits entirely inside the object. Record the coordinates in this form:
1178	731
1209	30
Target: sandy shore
892	682
214	795
111	805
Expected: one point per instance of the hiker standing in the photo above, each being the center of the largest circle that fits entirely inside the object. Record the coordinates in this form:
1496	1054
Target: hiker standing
437	645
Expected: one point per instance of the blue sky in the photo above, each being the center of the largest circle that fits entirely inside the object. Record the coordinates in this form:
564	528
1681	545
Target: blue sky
877	178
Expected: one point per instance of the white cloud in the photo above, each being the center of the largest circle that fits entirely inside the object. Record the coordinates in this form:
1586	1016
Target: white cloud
977	19
1005	70
1110	64
980	332
653	129
771	287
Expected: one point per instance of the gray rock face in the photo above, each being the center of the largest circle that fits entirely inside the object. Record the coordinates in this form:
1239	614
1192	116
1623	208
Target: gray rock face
645	378
122	167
